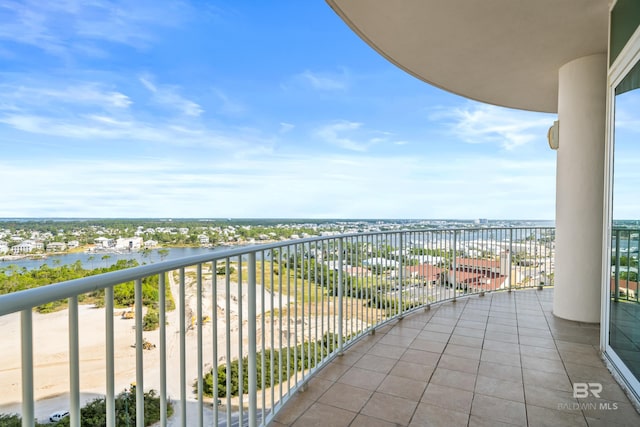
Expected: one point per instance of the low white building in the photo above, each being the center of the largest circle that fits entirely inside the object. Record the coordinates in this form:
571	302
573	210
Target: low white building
27	246
56	247
150	243
129	243
4	248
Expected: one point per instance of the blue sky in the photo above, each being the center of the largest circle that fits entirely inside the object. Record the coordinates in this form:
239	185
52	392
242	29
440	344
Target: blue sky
244	109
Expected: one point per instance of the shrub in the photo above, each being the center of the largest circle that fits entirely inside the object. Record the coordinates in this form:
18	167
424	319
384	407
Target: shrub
151	320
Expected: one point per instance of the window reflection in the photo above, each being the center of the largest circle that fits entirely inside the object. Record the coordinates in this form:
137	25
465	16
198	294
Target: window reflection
624	326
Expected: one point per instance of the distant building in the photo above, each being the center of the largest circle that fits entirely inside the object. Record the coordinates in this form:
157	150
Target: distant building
150	243
4	247
129	243
27	246
203	239
73	244
56	247
103	242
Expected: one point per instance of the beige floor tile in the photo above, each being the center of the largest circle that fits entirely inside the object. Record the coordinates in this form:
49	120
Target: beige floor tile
471	324
384	350
456	363
499	388
426	345
551	399
503	347
420	357
428	415
348	358
555	381
500	371
346	397
465	341
476	421
538	342
501	336
402	387
455	379
463	351
293	409
611	411
468	332
448	397
539	352
332	371
362	378
412	371
390	408
502	358
544	365
366	421
396	340
494	408
375	363
324	416
545	417
434	336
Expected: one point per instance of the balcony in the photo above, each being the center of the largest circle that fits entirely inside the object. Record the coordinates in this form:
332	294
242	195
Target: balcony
501	359
399	327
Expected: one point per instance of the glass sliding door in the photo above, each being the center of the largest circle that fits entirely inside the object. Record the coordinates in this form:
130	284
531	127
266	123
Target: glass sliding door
624	301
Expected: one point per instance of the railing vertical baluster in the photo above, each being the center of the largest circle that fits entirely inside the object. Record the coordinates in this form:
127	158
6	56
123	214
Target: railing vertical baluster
227	312
273	333
295	314
281	271
199	343
162	316
139	350
340	292
263	369
109	356
26	329
510	257
252	320
454	264
400	274
74	364
240	346
183	352
308	260
288	358
214	341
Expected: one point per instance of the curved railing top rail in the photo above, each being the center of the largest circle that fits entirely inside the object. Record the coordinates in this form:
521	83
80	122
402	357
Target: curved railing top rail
21	300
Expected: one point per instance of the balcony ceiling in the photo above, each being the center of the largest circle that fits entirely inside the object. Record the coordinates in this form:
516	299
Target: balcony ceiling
502	52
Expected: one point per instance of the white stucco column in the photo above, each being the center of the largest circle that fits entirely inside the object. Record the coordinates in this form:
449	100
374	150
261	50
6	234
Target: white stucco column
579	188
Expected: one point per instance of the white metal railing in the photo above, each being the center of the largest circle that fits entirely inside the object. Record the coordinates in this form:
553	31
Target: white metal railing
287	307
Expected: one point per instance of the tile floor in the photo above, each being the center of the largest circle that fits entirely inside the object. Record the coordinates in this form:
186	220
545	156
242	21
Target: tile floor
498	360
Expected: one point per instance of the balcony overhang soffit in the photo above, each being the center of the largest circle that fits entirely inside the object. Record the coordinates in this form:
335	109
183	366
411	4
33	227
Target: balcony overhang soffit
502	52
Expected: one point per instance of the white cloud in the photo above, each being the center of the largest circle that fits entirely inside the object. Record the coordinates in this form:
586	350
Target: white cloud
168	96
481	123
29	94
286	127
334	134
325	81
66	28
228	106
326	185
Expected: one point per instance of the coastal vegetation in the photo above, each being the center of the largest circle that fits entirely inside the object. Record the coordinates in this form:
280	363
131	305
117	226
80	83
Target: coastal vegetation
279	366
13	279
93	414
